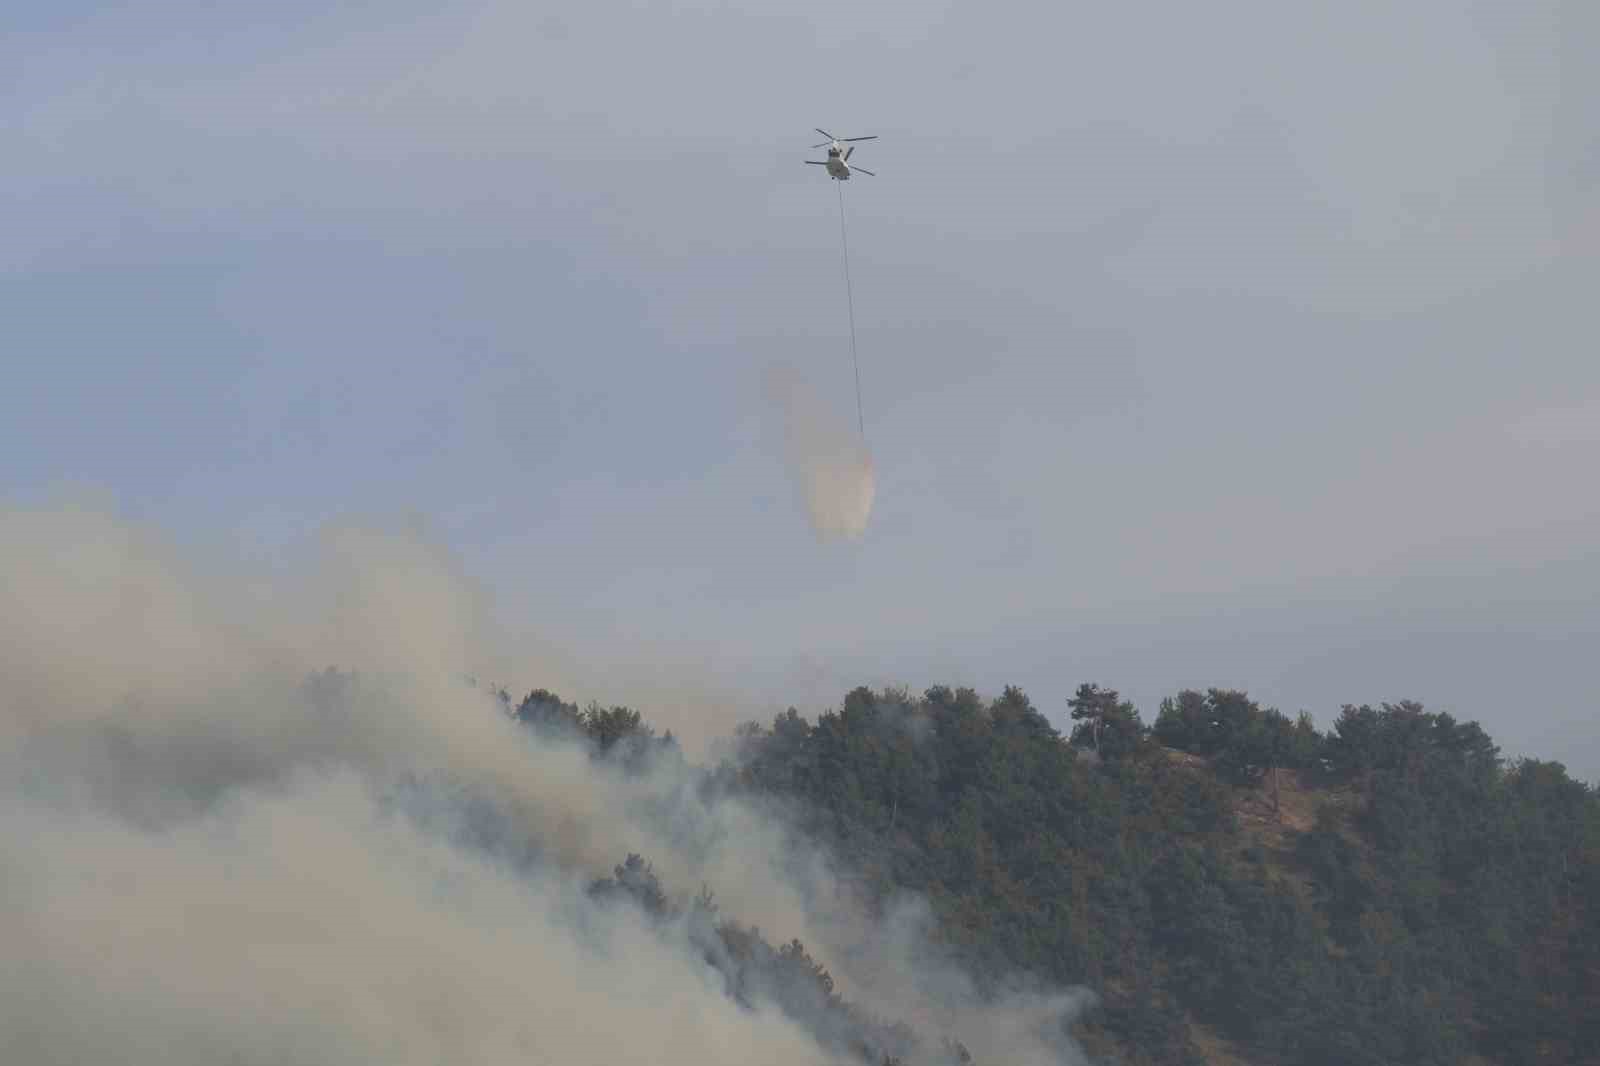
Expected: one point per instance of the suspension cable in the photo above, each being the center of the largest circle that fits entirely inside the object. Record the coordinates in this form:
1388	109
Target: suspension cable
861	423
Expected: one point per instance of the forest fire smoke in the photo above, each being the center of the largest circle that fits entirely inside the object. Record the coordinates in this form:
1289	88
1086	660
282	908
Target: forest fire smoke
214	847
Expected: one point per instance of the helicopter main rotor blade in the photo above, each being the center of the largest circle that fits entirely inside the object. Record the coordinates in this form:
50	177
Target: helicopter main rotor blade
815	163
861	170
824	144
825	133
872	138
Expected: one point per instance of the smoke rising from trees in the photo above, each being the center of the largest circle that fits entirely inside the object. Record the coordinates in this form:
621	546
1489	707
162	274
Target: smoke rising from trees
216	847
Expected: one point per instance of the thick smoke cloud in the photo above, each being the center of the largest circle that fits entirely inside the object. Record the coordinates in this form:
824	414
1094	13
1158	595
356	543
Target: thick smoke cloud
215	848
302	925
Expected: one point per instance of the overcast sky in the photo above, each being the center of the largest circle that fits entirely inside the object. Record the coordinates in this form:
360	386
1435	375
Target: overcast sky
1236	344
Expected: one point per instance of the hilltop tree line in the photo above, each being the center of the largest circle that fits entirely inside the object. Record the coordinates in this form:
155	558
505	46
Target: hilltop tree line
1445	902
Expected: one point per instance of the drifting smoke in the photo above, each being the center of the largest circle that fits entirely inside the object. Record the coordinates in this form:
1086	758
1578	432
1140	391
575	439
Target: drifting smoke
214	849
827	457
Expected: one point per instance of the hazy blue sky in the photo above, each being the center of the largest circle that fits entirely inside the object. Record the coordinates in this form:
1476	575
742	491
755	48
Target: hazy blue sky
1242	344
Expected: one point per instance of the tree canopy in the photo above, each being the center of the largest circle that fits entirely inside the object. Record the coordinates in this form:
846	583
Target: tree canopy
1426	900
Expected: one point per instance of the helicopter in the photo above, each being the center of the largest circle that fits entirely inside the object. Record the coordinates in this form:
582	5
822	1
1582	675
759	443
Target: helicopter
837	162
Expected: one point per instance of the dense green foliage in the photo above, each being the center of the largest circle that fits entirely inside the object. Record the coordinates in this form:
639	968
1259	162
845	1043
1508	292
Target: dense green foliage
1440	903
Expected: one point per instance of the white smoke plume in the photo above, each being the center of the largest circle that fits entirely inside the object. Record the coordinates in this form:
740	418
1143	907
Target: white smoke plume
302	925
214	849
826	456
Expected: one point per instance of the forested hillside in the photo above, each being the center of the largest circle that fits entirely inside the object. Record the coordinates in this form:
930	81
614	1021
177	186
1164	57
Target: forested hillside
1233	885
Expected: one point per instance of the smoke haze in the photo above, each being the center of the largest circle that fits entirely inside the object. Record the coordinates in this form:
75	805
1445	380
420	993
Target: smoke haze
213	847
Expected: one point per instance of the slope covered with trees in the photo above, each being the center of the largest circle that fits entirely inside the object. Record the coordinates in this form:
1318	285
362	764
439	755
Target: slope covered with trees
1230	882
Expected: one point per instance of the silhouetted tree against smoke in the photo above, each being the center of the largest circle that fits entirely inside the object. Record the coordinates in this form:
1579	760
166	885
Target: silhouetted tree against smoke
636	880
545	711
785	976
619	733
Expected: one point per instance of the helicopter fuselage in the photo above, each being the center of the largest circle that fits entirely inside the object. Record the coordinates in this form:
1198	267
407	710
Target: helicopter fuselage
838	161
